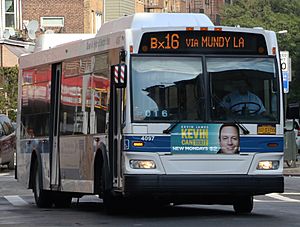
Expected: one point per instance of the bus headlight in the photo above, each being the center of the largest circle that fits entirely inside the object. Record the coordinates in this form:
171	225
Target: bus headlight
268	165
142	164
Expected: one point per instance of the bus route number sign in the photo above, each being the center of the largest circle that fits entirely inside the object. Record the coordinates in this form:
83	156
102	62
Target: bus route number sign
202	41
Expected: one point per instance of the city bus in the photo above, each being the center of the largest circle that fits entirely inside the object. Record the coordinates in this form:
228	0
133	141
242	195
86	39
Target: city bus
143	111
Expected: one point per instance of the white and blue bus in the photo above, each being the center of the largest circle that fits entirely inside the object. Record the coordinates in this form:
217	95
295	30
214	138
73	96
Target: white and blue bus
152	107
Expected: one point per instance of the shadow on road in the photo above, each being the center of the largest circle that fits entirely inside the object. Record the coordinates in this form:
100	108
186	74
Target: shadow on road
178	211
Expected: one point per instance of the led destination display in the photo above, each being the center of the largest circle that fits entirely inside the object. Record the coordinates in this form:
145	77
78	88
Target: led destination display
203	42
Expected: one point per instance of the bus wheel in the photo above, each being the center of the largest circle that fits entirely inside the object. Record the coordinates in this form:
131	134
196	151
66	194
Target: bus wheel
42	197
113	204
243	205
62	200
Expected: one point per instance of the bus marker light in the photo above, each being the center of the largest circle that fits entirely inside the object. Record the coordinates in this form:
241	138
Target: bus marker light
268	165
131	49
218	29
204	29
189	28
142	164
274	50
138	144
272	144
144	48
261	50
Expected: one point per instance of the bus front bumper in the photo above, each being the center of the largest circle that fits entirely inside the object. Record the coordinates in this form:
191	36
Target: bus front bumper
201	185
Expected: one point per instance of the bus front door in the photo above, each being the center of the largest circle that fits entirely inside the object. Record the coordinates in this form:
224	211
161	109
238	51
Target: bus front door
54	125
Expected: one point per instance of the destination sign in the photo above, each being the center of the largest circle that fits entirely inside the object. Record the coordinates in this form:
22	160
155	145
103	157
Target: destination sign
203	42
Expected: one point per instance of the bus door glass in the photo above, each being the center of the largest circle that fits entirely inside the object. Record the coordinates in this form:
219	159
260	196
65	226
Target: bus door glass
54	121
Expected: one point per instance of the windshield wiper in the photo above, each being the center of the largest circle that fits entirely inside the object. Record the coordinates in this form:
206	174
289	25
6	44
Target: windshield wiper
171	127
241	126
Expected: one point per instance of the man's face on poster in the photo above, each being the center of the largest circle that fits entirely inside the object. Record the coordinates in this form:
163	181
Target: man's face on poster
229	140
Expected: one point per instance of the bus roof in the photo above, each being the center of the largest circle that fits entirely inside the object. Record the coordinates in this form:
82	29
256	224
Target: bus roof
155	20
47	41
57	47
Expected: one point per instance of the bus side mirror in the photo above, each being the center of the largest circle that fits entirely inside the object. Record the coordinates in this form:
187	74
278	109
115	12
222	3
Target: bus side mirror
119	75
289	125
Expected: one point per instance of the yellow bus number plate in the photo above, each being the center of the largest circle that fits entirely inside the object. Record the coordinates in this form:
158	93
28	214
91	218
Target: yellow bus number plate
266	129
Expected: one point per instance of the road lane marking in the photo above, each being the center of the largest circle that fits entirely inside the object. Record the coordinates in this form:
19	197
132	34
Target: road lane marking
15	200
267	201
4	174
291	193
282	198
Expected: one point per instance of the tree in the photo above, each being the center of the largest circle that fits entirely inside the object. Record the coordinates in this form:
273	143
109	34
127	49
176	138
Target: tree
275	15
9	90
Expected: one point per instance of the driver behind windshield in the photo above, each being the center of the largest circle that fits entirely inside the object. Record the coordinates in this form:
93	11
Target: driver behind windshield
241	101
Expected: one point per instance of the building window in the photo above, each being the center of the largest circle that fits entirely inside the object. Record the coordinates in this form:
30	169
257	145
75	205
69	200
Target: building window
98	21
10	13
52	21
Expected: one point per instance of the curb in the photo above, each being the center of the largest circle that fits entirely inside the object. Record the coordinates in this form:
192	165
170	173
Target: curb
291	174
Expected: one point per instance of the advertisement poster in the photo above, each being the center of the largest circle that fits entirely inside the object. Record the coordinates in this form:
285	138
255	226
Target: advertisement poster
205	139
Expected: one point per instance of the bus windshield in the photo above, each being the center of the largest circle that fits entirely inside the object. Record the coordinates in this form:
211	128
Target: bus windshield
243	89
167	88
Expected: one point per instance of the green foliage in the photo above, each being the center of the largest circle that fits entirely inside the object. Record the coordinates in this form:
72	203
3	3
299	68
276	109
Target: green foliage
9	91
275	15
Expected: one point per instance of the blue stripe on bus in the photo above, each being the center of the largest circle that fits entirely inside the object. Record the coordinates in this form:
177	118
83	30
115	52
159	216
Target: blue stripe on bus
163	144
260	144
158	144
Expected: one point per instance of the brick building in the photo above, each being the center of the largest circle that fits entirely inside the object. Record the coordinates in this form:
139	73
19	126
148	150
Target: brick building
211	8
11	47
139	6
67	16
165	6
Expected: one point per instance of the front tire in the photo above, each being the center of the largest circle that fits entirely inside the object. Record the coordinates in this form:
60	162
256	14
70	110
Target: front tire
42	197
243	205
62	200
113	204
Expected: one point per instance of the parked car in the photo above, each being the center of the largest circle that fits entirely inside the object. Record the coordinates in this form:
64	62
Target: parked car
14	124
7	142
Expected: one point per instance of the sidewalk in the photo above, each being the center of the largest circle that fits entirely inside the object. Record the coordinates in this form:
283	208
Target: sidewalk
292	171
